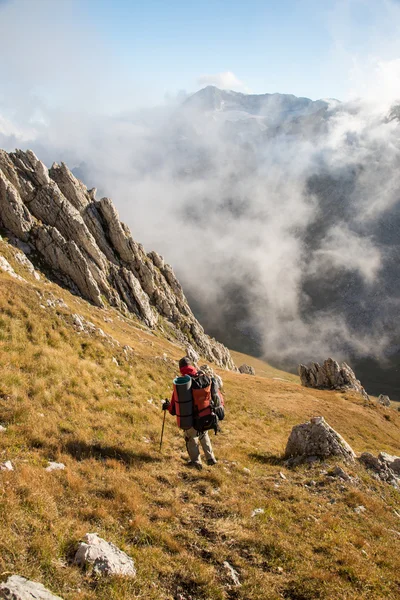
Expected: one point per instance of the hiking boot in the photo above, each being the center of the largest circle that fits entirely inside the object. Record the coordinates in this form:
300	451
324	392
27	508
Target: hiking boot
195	465
212	461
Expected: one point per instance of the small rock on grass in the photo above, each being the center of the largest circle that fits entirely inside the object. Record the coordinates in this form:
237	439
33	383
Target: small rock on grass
104	557
6	466
257	511
19	588
232	574
55	466
360	509
2	428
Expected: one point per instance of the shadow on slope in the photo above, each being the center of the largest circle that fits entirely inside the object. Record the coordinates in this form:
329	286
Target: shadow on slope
81	450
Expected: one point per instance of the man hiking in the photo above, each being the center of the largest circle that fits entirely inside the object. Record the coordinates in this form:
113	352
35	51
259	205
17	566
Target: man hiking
202	394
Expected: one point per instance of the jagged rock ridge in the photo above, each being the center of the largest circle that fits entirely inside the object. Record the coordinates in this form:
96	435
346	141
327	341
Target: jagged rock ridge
83	239
331	376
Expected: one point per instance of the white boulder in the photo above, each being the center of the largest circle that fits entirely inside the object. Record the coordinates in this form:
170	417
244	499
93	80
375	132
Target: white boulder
104	557
19	588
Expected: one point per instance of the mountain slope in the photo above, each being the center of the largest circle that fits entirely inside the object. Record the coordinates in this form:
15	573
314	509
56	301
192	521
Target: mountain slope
90	399
82	240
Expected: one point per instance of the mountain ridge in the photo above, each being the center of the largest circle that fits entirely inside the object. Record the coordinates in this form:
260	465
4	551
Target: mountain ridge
54	214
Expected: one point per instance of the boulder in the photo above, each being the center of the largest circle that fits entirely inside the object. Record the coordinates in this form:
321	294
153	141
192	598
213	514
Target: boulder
393	462
383	467
19	588
7	268
316	439
103	557
384	400
331	376
247	370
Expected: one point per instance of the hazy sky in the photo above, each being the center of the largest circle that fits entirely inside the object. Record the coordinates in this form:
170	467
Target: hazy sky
112	55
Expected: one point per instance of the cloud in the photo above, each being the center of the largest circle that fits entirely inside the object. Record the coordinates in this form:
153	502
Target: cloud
225	81
287	227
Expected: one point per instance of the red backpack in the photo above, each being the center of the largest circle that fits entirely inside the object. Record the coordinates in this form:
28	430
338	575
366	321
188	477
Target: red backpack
208	403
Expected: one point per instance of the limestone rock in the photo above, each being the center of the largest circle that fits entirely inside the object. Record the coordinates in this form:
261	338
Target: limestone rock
87	246
71	187
19	588
393	462
330	376
384	400
7	268
316	438
383	466
232	574
55	466
24	261
13	213
105	558
6	466
247	370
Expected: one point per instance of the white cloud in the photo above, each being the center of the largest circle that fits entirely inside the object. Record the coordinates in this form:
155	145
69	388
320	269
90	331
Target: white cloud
225	81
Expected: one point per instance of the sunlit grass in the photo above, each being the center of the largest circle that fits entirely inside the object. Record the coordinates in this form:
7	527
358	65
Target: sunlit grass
63	398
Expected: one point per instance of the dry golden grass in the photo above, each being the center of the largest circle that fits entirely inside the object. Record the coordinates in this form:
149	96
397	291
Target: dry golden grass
63	398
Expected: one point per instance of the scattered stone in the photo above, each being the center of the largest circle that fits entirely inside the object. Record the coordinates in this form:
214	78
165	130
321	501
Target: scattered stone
384	400
78	322
339	472
232	574
282	475
393	462
19	588
115	361
192	354
55	466
23	260
360	509
257	511
316	438
105	558
2	428
247	370
7	268
381	467
331	376
6	466
246	470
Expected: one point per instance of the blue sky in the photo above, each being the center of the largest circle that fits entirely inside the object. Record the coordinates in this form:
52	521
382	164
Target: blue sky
125	53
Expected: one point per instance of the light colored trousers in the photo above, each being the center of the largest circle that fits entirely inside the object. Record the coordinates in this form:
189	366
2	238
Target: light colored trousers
192	438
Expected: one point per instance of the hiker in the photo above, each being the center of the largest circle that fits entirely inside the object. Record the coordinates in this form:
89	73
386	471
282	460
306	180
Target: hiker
206	388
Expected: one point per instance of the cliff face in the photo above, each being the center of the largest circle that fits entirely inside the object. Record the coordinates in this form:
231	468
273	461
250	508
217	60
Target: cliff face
83	239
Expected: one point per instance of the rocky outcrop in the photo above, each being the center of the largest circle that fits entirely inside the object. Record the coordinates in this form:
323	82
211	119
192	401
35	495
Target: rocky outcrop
19	588
331	376
83	241
384	400
385	467
104	557
315	439
247	370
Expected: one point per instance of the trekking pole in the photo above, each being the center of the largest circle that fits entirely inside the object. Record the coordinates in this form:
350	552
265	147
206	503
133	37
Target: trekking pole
162	430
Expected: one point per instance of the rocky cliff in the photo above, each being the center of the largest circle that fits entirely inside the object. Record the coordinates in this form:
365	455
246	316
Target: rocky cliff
83	241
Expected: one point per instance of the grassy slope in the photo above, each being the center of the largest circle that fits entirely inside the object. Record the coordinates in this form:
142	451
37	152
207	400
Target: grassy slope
62	397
